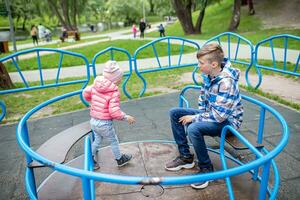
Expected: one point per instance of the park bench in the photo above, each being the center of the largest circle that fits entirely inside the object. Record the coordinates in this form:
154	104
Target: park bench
70	36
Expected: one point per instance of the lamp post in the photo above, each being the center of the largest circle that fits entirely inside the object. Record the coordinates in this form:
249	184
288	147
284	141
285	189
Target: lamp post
11	24
144	15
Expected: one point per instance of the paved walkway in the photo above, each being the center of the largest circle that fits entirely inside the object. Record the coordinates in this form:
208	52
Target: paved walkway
152	123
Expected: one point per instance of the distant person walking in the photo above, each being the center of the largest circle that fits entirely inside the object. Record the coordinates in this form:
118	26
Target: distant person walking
34	33
142	27
41	29
161	30
134	30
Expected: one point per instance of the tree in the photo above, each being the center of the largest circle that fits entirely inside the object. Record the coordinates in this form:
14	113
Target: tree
67	11
163	8
126	11
183	9
5	81
236	15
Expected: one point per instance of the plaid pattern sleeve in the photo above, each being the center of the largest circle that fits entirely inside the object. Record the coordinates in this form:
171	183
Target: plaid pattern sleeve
202	102
223	100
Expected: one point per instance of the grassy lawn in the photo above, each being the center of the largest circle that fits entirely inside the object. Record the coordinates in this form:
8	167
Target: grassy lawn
217	19
52	60
57	45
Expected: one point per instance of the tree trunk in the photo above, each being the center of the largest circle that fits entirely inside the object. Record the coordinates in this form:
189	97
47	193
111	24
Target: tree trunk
55	9
5	81
183	12
235	20
74	14
24	23
151	6
198	26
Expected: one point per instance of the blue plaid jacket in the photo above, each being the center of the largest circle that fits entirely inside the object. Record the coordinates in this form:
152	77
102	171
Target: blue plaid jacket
220	98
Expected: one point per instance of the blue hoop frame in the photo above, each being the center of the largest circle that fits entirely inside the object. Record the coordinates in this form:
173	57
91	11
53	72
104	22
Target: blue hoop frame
88	176
160	68
111	50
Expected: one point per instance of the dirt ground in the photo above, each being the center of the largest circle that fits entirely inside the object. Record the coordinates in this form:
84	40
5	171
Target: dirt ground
279	14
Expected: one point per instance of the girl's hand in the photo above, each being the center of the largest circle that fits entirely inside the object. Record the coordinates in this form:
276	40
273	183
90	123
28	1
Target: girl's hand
130	119
186	119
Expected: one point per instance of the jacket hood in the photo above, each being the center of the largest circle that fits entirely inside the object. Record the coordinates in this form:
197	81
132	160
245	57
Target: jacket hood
229	72
102	84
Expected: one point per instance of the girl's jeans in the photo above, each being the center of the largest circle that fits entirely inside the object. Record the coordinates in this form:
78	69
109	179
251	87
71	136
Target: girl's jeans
104	129
195	132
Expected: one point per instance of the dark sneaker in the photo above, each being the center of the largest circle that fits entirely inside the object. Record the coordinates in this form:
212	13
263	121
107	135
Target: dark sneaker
179	163
96	164
204	184
124	159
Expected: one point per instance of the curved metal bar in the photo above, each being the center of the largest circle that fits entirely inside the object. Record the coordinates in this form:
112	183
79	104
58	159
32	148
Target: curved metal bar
42	84
274	68
3	110
148	180
152	43
111	50
252	53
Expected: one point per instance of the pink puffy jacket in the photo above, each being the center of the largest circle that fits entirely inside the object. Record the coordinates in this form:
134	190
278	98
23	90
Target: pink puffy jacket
104	98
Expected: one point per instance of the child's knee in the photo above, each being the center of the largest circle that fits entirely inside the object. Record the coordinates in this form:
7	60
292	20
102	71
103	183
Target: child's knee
173	112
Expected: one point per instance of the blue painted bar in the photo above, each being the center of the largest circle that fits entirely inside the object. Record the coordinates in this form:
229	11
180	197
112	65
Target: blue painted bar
169	52
264	181
181	52
285	52
237	49
273	54
19	71
40	68
3	110
297	63
228	43
59	67
156	55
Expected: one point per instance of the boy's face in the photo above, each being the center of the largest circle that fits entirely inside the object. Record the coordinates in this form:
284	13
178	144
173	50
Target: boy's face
205	66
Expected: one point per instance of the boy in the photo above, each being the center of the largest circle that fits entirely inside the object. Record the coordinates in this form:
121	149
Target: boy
219	105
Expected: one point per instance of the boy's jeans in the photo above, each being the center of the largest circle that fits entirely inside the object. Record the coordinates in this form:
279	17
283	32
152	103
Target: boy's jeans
104	129
195	132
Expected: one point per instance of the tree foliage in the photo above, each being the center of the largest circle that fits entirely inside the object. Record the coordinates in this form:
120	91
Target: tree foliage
126	11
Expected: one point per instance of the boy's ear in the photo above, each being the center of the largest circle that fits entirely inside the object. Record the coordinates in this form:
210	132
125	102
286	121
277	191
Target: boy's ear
214	64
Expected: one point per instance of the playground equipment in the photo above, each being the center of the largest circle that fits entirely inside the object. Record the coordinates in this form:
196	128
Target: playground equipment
79	170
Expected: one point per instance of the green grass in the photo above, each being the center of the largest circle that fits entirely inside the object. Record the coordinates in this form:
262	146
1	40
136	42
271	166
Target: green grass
272	97
56	45
217	19
52	60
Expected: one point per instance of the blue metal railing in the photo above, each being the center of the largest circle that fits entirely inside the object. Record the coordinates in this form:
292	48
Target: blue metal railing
179	64
267	156
265	159
13	57
270	41
87	175
111	50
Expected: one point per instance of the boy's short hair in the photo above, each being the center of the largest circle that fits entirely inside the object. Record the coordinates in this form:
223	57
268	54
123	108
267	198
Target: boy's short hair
213	52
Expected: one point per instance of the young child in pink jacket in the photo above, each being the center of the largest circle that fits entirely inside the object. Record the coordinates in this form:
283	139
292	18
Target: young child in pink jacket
104	98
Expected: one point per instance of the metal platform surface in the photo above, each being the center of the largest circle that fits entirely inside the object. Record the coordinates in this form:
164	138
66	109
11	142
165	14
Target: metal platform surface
149	159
